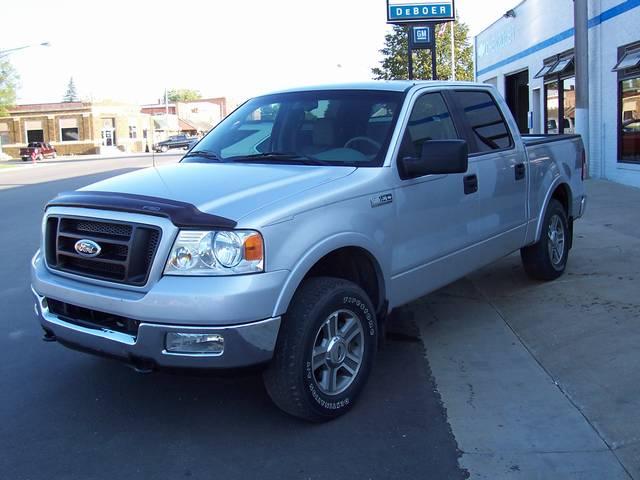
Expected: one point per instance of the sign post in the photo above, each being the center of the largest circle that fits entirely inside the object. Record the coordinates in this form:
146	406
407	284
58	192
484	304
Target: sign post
422	16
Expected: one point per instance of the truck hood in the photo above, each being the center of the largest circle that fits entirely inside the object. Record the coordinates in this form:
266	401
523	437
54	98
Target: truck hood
227	190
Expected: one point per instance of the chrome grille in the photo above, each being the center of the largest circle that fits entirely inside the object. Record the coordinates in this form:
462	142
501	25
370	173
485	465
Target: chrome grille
126	255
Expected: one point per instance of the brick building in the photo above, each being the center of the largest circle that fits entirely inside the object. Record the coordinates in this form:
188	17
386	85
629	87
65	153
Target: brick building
77	128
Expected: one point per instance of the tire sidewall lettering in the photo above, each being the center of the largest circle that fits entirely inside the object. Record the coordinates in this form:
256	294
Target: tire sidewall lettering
360	309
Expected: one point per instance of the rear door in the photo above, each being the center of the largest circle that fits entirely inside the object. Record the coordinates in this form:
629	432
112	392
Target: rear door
499	163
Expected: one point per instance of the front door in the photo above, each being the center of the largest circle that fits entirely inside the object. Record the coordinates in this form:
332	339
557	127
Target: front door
108	137
108	132
435	213
517	96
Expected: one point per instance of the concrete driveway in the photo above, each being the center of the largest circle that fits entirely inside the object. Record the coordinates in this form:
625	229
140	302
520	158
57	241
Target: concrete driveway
542	380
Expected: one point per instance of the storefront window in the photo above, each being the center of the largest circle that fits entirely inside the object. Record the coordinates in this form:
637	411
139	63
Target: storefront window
630	125
552	105
69	134
569	102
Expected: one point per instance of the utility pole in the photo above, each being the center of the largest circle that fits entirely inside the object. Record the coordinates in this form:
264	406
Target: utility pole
453	51
166	102
581	20
410	52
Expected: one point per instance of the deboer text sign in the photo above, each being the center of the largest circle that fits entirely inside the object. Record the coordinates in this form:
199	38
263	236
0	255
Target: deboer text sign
412	11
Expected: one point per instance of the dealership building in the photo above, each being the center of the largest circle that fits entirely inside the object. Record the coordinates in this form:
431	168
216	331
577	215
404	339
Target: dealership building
528	55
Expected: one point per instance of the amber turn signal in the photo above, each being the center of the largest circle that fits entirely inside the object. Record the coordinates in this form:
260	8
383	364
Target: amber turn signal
253	248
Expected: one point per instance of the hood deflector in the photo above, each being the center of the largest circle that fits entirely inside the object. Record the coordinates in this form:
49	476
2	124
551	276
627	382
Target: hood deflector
181	214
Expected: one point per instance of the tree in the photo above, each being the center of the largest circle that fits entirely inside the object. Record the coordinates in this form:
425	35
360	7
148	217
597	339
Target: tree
72	94
183	95
394	64
8	86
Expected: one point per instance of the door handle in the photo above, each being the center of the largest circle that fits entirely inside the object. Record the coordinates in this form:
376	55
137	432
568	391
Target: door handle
470	184
520	171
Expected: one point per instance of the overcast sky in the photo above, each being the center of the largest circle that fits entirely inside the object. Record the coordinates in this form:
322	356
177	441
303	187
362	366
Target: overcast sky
131	49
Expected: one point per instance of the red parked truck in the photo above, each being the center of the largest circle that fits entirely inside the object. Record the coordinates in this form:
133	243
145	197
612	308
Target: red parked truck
37	151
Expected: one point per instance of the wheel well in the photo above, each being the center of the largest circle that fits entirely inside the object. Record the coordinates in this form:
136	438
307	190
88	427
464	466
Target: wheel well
563	195
356	265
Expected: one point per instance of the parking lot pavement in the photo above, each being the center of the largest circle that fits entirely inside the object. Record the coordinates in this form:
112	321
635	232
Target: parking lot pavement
67	415
542	380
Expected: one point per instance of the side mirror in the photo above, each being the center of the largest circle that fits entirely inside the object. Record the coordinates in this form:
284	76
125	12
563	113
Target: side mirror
439	157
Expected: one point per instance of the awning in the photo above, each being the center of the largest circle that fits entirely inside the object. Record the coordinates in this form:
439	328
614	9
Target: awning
563	65
628	60
545	69
166	123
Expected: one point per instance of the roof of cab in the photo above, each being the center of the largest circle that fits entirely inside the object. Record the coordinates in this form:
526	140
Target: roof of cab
380	85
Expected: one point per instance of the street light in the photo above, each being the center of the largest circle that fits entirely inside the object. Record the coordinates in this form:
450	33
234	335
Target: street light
6	53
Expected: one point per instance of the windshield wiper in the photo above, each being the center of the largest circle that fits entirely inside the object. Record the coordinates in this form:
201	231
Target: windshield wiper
278	157
203	154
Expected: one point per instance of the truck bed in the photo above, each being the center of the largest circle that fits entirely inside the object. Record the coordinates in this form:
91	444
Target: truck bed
538	139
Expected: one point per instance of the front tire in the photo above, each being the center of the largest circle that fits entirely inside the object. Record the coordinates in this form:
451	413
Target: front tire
547	259
164	149
325	350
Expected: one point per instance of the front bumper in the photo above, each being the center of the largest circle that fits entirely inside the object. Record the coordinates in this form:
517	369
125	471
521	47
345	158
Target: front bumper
244	345
239	308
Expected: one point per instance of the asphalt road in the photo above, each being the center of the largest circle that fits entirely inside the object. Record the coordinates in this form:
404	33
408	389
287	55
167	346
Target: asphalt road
67	415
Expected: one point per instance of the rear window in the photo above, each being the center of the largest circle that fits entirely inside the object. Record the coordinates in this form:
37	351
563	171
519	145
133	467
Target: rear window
489	128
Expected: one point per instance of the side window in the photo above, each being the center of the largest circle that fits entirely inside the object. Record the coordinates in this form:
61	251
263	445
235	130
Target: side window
430	120
483	116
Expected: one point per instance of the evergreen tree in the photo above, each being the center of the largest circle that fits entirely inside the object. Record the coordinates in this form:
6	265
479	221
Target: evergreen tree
71	95
394	62
8	86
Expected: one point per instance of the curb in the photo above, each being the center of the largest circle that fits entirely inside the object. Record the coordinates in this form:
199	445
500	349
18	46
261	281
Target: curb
81	158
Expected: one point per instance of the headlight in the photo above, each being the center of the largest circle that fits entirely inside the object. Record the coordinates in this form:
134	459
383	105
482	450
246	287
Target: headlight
216	253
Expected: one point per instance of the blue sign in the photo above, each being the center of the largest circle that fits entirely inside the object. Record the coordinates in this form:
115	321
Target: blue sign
421	35
408	11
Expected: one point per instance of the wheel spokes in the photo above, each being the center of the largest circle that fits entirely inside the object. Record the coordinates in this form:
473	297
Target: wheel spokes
338	350
319	358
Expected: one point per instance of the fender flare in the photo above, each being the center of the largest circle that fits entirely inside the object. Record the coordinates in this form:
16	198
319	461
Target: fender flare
554	186
320	250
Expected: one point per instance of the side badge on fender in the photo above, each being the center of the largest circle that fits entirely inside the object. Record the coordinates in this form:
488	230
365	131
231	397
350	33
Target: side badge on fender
381	200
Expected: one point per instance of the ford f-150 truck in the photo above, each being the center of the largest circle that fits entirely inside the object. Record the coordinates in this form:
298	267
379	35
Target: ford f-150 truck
37	151
292	230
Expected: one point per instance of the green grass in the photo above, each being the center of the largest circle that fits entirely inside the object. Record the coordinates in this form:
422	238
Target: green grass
7	166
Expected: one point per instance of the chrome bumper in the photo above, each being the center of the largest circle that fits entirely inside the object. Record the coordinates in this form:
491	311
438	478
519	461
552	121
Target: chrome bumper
244	345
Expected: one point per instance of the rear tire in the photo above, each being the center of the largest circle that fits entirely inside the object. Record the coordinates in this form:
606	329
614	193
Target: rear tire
547	259
325	350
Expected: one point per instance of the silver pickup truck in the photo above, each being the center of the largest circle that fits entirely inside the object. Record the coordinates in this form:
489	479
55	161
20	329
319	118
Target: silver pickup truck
287	235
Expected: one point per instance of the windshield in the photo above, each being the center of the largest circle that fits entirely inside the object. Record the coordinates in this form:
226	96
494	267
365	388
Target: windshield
345	128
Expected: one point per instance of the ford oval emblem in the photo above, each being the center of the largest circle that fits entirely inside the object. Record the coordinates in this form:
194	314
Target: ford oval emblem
88	248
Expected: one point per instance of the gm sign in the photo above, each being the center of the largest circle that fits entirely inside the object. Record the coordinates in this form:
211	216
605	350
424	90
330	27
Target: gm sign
421	37
409	11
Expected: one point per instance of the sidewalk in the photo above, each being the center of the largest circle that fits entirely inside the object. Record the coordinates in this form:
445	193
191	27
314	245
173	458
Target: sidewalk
542	380
111	156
